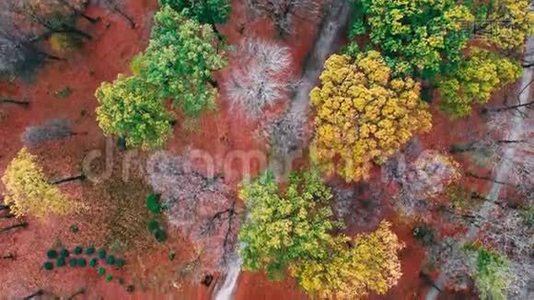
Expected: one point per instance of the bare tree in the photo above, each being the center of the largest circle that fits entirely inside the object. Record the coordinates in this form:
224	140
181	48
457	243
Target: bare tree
286	134
285	13
14	226
422	180
117	6
506	231
260	77
202	208
42	18
493	148
54	129
454	262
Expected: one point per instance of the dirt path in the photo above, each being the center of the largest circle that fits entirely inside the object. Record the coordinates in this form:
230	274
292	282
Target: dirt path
326	44
501	171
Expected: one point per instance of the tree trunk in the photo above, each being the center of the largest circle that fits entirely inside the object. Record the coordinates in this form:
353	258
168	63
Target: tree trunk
125	16
79	292
9	256
88	18
79	12
80	133
21	225
510	141
68	179
427	280
506	108
24	103
469	174
71	29
214	83
8	216
36	294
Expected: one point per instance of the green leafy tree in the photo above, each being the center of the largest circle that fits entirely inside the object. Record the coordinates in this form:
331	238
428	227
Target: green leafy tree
204	11
282	228
132	109
492	275
475	80
293	231
180	59
415	36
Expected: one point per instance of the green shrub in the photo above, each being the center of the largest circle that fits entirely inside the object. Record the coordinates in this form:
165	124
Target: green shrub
152	203
527	214
48	266
90	250
60	262
78	250
426	235
93	262
110	260
153	226
82	262
101	271
109	278
160	235
64	253
74	229
51	254
73	262
206	12
102	254
120	263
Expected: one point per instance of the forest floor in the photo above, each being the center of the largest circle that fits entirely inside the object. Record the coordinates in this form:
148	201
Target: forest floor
217	133
516	128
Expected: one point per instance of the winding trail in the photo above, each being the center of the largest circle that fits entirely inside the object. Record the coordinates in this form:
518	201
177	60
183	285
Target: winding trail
325	44
501	171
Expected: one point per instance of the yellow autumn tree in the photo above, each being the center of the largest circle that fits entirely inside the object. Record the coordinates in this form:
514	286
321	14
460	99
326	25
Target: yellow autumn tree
505	23
371	264
27	190
475	80
363	114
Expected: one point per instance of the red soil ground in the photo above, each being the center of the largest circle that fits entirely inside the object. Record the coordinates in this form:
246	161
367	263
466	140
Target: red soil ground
217	133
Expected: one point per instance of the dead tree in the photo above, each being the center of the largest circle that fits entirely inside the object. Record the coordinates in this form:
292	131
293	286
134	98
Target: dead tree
286	13
23	103
261	78
11	227
52	130
202	208
47	17
76	294
117	6
515	150
9	256
508	232
68	179
37	293
286	135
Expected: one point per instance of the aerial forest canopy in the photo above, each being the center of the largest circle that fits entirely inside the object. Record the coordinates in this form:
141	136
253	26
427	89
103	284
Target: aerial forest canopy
353	149
177	65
